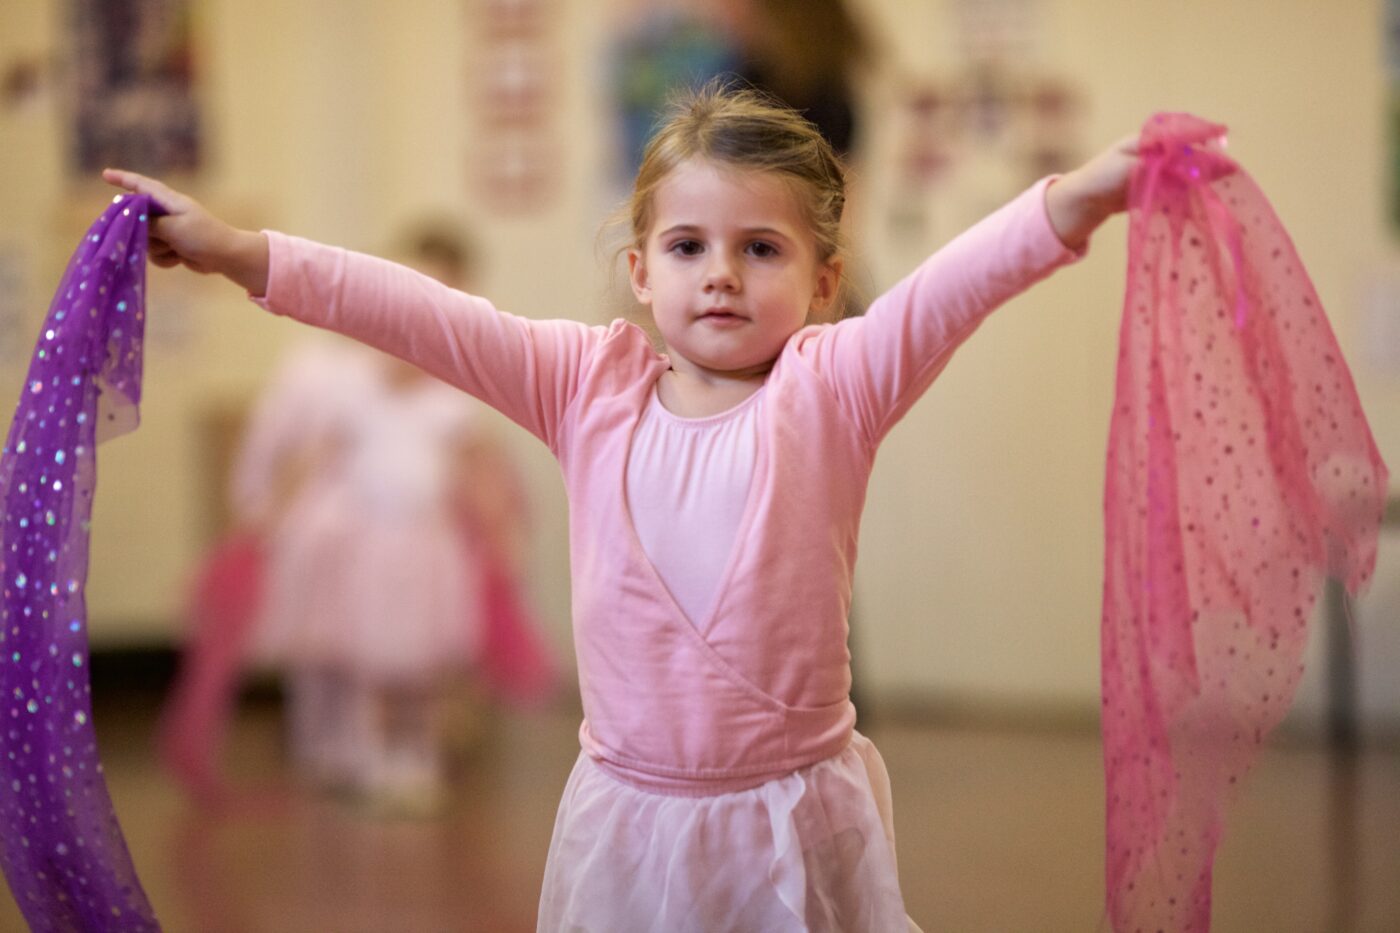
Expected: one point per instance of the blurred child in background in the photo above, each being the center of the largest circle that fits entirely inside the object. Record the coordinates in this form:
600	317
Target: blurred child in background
375	563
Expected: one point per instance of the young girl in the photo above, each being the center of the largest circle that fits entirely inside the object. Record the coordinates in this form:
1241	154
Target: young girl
715	496
371	600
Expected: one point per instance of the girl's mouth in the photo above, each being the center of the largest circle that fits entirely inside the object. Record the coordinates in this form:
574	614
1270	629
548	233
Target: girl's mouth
722	318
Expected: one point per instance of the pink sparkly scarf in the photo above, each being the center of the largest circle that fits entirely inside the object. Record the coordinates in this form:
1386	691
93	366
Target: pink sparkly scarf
62	850
1241	472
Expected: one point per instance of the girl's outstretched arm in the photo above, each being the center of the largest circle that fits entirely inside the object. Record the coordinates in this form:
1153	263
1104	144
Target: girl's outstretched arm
879	364
528	369
191	236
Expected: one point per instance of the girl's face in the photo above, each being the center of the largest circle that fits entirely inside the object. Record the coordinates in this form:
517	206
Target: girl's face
729	269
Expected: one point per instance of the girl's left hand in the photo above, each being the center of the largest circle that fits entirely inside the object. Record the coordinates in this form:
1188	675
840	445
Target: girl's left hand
189	235
1080	200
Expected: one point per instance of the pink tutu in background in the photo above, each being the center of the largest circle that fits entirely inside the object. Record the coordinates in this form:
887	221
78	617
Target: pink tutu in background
364	564
370	572
513	662
224	607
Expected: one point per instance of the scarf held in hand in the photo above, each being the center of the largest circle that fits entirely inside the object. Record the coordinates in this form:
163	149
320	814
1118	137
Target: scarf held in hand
1241	473
62	850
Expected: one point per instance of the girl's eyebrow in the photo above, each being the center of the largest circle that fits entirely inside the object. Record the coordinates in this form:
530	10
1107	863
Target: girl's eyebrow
772	232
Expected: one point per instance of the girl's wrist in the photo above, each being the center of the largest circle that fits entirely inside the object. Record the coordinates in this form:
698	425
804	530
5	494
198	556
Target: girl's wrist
1074	210
1082	199
245	261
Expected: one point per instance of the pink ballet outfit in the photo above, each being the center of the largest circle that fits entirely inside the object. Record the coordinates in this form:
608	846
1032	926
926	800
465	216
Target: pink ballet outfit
370	572
721	784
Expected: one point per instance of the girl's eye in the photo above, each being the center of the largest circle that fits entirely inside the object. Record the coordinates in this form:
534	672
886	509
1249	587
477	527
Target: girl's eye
686	247
763	250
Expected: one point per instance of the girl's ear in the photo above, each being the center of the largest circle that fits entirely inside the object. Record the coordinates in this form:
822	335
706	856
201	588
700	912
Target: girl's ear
637	275
828	285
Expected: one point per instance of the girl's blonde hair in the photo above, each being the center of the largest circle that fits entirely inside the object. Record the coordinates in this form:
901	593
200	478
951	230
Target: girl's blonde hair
745	129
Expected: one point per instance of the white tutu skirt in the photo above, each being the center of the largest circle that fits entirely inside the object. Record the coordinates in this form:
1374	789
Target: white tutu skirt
811	851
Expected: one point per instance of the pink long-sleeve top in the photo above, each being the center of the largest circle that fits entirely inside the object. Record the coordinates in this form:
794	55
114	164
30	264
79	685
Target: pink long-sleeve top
764	690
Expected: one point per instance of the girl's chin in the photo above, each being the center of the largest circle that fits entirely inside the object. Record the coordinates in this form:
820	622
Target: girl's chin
732	362
734	368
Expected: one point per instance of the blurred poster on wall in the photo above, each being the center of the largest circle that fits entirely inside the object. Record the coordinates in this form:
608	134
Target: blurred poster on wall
516	154
996	113
131	84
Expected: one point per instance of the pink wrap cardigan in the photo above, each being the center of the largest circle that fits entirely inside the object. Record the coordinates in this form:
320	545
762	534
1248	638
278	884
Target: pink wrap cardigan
765	691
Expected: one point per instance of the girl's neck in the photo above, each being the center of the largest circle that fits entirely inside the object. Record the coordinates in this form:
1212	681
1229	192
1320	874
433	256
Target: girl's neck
695	393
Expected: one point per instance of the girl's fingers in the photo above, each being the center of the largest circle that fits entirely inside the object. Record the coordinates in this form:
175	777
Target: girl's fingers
131	181
166	234
161	254
168	197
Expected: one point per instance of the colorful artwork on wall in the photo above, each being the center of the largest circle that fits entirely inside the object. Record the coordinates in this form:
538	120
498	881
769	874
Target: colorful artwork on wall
994	118
655	54
132	86
515	153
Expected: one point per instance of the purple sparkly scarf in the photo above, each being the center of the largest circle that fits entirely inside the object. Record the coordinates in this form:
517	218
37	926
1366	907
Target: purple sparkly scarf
64	856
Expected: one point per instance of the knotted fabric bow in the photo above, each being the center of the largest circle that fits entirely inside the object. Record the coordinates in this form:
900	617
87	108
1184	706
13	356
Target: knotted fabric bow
1241	472
64	856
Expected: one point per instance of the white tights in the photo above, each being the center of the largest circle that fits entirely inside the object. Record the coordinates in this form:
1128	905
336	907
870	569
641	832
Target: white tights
350	734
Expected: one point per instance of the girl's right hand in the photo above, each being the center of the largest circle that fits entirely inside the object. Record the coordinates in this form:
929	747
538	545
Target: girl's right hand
1082	199
190	236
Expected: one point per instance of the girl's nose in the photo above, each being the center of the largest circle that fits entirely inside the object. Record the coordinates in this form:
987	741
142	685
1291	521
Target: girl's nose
720	275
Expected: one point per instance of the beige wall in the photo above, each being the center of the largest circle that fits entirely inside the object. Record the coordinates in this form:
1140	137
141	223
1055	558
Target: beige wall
982	544
980	564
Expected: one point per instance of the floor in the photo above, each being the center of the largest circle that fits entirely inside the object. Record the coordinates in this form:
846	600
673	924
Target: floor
998	830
